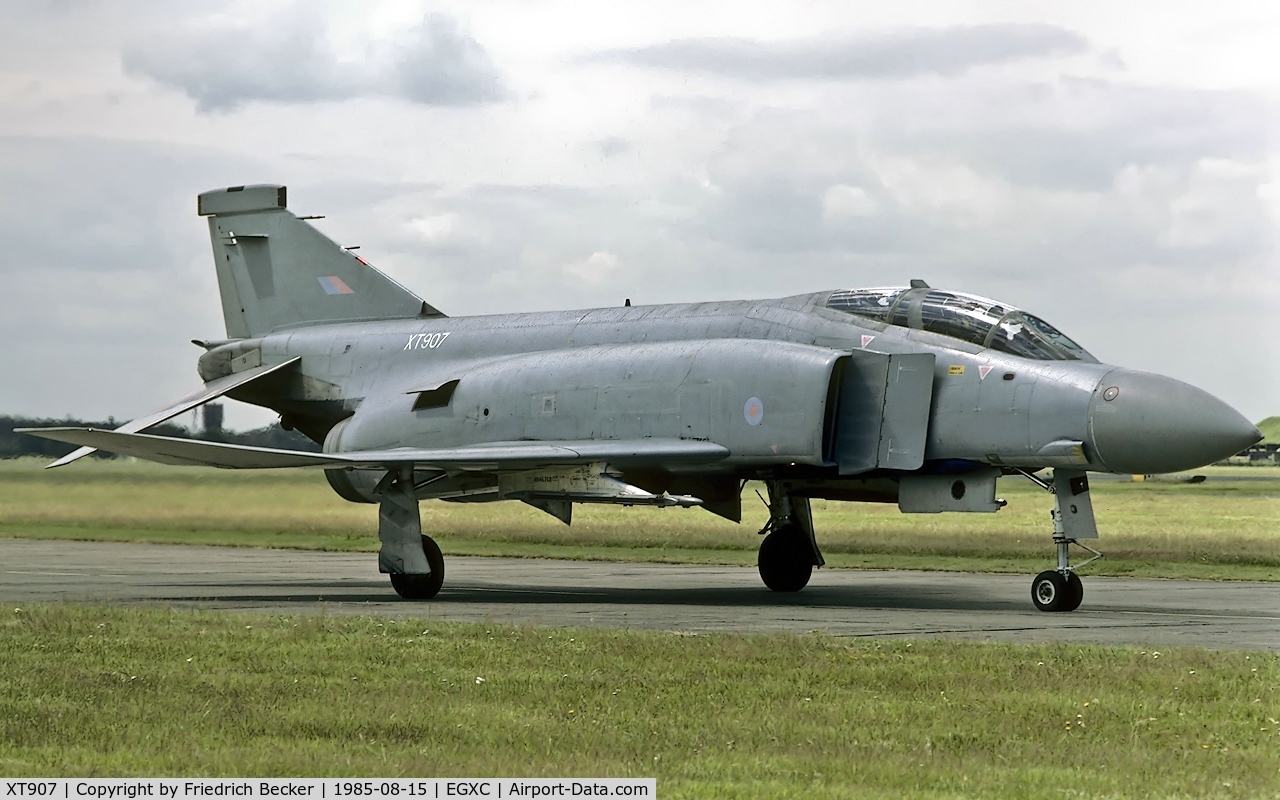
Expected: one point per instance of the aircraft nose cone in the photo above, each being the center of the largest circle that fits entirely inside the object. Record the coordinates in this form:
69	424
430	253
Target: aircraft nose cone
1142	423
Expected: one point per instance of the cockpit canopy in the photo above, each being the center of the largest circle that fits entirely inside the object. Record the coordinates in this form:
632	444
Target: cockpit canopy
974	319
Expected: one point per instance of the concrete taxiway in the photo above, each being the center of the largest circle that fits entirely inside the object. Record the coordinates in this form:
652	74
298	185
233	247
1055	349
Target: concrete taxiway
1223	615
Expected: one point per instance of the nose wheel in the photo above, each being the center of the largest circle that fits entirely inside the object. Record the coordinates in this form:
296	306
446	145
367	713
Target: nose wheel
1055	591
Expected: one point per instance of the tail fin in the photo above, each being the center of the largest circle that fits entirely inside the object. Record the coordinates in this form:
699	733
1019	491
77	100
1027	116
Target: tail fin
276	272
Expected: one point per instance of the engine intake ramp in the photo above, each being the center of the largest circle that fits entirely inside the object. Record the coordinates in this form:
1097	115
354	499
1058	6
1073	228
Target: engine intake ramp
882	416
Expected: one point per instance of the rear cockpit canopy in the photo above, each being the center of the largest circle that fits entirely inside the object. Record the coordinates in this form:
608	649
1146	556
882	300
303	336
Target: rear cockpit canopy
974	319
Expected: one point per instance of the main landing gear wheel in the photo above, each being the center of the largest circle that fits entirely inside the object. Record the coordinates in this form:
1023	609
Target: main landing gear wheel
422	587
1056	591
785	561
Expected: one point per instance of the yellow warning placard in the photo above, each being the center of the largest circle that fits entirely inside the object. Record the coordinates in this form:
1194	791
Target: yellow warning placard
955	369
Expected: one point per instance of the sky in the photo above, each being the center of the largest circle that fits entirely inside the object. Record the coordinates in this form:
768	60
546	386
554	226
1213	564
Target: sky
1109	167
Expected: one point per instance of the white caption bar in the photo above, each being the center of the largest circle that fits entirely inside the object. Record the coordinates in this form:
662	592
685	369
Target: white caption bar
321	788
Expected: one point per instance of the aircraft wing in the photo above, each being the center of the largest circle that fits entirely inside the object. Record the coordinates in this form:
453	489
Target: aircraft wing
485	457
213	389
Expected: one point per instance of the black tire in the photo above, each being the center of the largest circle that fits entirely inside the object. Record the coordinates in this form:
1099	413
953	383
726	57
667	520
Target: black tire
422	587
1051	591
785	562
1075	592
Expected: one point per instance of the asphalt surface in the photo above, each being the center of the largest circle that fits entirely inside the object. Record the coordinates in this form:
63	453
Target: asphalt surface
1226	615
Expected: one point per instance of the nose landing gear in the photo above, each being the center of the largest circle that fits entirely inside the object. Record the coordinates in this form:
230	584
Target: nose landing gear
1061	589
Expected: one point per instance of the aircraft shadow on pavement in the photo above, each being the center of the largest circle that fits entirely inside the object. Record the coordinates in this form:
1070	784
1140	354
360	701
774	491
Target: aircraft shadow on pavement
905	596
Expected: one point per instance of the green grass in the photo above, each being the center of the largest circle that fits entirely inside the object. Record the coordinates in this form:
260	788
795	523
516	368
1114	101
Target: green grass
1219	529
117	692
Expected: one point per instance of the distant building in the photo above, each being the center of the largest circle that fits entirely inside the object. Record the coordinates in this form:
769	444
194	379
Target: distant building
213	420
1259	454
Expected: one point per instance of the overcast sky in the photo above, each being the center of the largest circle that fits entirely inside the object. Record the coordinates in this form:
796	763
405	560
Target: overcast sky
1109	167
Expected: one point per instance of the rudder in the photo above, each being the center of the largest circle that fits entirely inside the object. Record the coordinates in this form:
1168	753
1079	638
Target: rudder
276	272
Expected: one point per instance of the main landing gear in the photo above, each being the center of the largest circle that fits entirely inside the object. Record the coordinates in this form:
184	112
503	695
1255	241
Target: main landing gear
789	551
413	560
1061	589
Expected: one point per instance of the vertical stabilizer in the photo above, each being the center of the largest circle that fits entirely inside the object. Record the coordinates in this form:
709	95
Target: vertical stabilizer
275	271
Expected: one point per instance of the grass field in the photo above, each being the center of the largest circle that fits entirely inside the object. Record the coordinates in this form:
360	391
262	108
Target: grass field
113	692
1221	529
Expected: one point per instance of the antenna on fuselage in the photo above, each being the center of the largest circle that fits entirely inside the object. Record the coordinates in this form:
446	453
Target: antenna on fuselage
917	283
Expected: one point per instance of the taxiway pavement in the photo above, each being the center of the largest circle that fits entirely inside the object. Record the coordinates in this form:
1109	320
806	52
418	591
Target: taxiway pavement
1121	611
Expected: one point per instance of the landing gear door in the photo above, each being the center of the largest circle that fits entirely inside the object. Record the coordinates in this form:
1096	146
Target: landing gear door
904	430
883	412
1073	510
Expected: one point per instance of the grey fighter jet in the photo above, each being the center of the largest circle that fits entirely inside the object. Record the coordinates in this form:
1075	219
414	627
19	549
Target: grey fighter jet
906	395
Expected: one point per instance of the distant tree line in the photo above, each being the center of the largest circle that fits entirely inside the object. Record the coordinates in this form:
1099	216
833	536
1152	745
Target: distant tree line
13	444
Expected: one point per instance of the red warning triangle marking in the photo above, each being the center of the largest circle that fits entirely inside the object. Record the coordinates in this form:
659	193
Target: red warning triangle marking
866	340
982	372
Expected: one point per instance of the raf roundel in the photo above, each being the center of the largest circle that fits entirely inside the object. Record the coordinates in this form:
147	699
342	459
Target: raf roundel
753	411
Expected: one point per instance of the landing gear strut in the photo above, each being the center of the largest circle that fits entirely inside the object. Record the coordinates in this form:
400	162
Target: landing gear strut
789	552
1061	589
413	560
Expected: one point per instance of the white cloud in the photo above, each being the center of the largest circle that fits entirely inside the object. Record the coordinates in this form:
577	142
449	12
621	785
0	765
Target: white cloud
879	55
952	192
435	230
597	269
1209	212
223	63
842	201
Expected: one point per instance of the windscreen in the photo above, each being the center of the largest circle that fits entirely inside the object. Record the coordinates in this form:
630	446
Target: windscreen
974	319
1029	336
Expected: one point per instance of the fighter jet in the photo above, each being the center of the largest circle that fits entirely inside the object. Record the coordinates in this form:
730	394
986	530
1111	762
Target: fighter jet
908	395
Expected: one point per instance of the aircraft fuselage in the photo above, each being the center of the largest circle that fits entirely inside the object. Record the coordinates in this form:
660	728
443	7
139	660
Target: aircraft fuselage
551	376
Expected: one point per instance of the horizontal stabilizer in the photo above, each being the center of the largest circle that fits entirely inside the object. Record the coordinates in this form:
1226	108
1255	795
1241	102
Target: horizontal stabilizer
212	390
496	456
